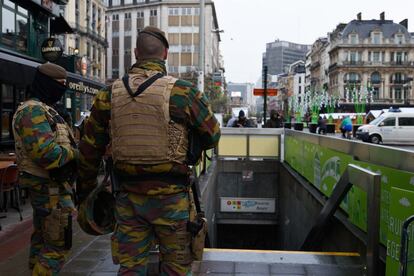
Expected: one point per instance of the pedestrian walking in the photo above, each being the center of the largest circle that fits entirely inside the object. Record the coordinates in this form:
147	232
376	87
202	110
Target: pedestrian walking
346	127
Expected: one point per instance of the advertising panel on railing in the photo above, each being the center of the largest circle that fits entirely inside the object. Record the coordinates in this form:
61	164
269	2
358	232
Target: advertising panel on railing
323	167
401	207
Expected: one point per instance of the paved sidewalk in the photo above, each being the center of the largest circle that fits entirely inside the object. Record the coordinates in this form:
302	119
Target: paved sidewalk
14	248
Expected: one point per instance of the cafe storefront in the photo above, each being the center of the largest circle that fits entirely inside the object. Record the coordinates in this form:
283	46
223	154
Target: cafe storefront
28	39
16	75
80	94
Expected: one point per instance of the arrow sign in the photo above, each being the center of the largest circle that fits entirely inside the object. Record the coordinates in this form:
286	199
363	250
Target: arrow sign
260	92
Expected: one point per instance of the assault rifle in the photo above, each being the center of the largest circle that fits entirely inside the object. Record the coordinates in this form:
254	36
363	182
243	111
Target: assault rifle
194	227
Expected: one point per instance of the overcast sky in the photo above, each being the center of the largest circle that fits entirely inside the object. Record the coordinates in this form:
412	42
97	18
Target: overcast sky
249	24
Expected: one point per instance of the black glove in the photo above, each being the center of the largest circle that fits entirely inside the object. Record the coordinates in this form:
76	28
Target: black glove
66	173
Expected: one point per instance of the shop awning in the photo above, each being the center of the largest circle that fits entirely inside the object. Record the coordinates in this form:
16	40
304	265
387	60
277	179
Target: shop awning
14	69
58	25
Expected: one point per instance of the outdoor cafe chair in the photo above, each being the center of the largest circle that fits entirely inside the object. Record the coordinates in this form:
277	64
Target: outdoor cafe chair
9	185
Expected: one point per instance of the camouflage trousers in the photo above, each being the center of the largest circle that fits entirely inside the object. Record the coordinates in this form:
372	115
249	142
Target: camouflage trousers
143	221
47	249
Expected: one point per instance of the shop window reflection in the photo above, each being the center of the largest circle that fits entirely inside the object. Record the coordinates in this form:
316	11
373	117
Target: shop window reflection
14	27
21	32
7	27
6	111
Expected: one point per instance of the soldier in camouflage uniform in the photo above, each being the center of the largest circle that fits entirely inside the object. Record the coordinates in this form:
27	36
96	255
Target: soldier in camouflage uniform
148	126
46	150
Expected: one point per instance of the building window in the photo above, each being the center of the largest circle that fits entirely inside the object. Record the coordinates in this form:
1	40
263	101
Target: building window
399	57
115	17
397	93
173	69
186	48
398	78
88	49
116	2
375	78
353	38
140	21
376	38
376	56
153	18
140	1
353	57
399	39
352	78
186	11
14	26
127	2
174	11
128	15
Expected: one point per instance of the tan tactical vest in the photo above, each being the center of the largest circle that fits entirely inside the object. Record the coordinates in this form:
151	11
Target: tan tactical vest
141	127
63	136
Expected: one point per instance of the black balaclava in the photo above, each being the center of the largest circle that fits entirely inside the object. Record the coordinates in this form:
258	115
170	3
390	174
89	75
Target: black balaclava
47	89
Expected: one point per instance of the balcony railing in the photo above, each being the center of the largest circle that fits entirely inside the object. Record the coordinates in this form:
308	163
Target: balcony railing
353	62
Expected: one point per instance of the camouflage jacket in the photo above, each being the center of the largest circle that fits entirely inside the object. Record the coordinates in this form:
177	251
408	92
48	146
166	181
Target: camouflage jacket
186	104
39	141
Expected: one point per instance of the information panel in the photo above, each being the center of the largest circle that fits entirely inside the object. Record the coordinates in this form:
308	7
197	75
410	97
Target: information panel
247	205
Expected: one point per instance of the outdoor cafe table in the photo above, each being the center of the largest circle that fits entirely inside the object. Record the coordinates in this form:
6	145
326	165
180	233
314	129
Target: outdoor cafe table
5	164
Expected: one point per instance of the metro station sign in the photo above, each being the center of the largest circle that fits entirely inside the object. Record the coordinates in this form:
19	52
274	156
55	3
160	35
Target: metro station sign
247	205
269	92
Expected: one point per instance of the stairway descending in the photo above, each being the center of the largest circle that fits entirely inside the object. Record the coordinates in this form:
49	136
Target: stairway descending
266	262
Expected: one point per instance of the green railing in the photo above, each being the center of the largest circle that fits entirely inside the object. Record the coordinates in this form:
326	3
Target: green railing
322	160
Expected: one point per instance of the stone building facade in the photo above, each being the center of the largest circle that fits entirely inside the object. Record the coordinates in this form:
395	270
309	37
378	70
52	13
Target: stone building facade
88	43
179	19
377	55
319	65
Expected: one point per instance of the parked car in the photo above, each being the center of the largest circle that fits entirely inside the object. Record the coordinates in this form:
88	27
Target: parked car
392	127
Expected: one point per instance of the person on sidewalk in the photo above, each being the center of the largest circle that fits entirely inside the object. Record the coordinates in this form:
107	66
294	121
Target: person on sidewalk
346	127
322	128
275	120
46	155
241	121
149	115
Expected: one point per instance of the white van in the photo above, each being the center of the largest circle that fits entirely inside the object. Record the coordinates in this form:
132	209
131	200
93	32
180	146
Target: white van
392	127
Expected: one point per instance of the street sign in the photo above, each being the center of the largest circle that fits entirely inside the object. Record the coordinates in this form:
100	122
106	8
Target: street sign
247	205
260	92
51	49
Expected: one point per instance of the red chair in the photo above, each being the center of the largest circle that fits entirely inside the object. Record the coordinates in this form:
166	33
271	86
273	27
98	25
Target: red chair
9	184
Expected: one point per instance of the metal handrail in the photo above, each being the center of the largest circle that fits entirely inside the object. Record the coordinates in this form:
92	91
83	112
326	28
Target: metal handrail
404	246
370	182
